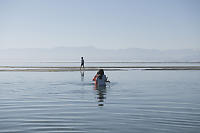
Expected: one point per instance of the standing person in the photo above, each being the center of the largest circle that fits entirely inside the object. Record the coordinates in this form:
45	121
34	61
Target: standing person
82	62
95	77
101	78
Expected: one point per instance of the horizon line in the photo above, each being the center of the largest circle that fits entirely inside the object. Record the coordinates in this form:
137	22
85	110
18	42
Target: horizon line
196	49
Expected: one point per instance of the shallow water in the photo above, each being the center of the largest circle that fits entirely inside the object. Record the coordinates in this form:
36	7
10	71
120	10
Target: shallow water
134	101
94	64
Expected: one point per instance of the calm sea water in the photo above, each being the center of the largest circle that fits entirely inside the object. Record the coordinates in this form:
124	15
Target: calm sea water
91	64
135	101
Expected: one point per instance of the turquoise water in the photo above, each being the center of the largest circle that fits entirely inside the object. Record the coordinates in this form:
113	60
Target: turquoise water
135	101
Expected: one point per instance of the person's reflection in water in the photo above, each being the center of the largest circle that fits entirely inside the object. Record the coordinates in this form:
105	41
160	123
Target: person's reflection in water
82	75
101	95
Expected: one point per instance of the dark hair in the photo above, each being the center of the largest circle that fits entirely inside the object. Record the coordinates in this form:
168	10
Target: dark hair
101	73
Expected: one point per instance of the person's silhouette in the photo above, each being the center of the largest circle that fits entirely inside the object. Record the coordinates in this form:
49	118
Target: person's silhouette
82	62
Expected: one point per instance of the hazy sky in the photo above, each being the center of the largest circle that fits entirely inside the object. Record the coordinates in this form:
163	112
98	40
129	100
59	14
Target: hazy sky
160	24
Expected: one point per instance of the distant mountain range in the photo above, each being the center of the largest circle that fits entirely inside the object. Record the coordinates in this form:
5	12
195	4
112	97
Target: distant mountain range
95	54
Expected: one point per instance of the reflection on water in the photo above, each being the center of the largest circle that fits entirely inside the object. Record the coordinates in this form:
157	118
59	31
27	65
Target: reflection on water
82	75
137	101
101	95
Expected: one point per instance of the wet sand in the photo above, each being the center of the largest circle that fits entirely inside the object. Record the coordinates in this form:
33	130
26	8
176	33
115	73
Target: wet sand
106	68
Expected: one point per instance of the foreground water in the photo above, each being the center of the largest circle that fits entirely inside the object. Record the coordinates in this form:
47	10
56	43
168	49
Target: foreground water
134	101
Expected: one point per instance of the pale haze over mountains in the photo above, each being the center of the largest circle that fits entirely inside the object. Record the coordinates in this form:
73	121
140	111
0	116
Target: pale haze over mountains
96	54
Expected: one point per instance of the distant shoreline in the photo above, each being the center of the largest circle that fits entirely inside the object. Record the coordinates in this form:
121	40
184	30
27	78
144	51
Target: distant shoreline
120	62
95	68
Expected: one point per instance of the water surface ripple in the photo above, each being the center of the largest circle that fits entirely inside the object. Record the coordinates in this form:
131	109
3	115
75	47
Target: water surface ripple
134	101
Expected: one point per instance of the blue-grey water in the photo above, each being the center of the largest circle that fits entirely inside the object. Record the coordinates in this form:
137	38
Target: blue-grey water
134	102
91	64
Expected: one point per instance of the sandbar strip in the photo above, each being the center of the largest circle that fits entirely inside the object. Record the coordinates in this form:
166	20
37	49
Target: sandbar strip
106	68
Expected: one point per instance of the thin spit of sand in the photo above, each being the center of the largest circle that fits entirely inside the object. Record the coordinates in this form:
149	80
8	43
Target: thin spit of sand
106	68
